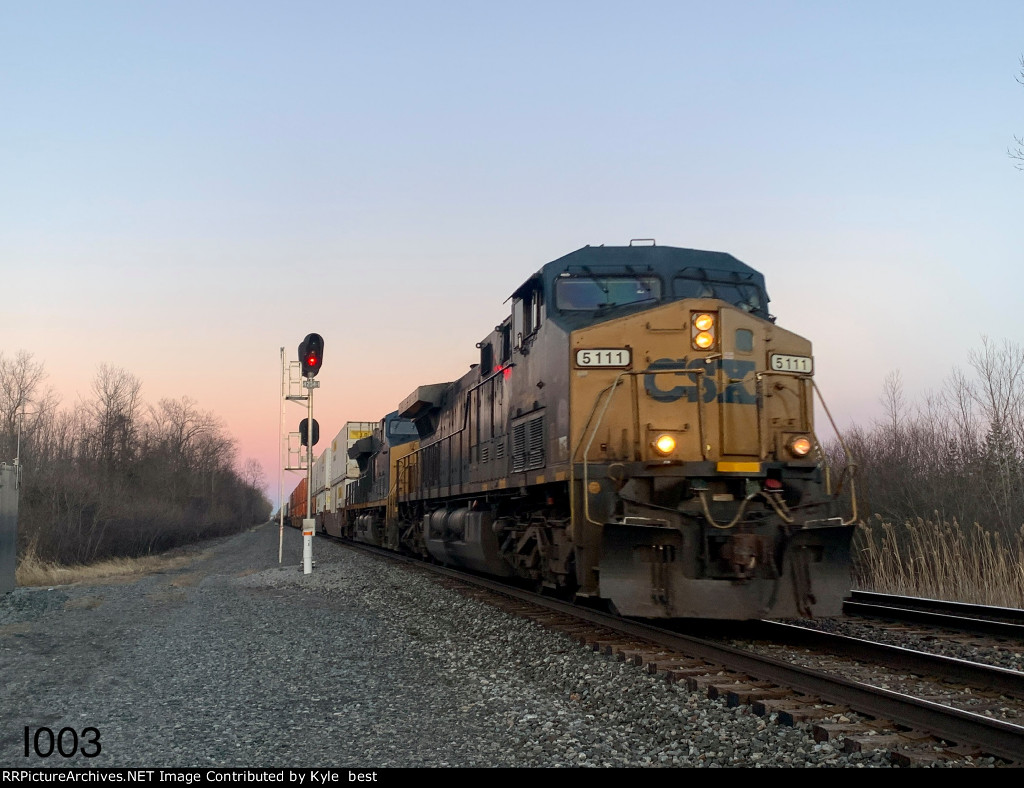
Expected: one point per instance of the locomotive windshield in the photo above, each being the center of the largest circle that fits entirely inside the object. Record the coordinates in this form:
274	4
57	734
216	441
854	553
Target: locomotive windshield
725	285
399	430
588	293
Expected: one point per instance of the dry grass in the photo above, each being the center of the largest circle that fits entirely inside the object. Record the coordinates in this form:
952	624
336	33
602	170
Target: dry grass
941	560
32	571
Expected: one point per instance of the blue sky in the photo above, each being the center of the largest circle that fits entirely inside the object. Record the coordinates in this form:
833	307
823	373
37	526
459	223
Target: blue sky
177	178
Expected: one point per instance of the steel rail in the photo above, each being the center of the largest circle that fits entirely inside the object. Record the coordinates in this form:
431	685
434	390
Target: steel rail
1004	680
1003	622
1011	614
977	626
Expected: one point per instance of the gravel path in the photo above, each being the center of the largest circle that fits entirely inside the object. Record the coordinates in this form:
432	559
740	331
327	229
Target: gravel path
237	661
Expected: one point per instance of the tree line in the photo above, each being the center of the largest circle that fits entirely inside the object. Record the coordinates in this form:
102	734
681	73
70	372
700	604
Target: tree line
113	476
940	484
959	453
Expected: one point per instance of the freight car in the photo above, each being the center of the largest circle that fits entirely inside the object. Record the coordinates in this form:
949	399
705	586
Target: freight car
297	505
343	471
637	431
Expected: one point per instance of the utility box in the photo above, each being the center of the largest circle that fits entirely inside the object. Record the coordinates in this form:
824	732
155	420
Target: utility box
8	526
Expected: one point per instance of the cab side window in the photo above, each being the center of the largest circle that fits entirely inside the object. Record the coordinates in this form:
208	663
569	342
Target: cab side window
505	332
527	314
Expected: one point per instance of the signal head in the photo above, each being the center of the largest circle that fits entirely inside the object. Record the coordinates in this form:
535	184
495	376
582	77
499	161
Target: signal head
311	354
305	439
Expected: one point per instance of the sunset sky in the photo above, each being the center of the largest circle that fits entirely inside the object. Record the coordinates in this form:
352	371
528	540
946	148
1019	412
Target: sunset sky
186	187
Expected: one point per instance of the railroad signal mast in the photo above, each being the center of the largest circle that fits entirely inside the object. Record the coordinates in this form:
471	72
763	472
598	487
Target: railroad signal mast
311	358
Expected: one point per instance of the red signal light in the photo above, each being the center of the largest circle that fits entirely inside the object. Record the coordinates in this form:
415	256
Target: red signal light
311	354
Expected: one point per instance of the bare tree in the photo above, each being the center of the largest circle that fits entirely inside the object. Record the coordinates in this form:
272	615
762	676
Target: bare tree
1000	399
179	425
895	407
21	380
253	475
1017	153
115	415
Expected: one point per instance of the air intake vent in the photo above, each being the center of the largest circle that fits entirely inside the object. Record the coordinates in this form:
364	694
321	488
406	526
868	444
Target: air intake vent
535	435
528	445
519	448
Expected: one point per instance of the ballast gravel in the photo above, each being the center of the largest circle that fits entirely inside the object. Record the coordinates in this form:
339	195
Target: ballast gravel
239	661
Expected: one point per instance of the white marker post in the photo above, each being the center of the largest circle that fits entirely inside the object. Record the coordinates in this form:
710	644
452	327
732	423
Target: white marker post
309	522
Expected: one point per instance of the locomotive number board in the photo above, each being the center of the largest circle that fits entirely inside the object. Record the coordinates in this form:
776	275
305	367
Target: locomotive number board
603	357
781	363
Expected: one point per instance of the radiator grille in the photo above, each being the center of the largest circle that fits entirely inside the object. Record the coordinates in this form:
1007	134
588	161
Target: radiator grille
528	445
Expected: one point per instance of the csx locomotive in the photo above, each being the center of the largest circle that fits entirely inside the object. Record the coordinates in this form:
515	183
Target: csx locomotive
637	431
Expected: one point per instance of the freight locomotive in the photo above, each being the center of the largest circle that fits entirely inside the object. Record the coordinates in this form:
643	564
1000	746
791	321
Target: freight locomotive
637	431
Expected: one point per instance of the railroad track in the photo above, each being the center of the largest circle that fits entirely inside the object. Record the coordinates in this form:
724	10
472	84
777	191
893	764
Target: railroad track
931	709
999	622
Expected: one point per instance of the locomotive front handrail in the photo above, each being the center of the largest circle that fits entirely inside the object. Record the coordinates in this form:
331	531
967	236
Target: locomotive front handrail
593	434
851	466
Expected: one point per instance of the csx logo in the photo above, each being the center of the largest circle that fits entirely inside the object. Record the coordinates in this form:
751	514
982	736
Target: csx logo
689	381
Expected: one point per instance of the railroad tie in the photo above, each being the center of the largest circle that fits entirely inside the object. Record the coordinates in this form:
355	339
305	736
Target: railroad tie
633	654
745	696
887	741
704	683
716	691
792	717
830	731
665	664
568	628
919	757
609	647
683	675
768	706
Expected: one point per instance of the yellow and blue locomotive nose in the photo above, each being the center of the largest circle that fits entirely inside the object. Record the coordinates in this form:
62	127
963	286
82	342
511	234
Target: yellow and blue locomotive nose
701	485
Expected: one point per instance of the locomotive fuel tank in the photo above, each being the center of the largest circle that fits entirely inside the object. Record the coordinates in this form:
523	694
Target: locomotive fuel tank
464	538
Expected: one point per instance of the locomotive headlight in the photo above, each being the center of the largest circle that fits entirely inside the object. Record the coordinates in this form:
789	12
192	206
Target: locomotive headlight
800	447
704	340
665	444
703	330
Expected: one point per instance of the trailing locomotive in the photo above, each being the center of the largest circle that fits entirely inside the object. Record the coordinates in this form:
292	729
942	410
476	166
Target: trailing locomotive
638	430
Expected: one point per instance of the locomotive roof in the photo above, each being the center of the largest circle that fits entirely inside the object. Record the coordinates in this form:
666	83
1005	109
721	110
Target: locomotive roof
661	258
666	262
